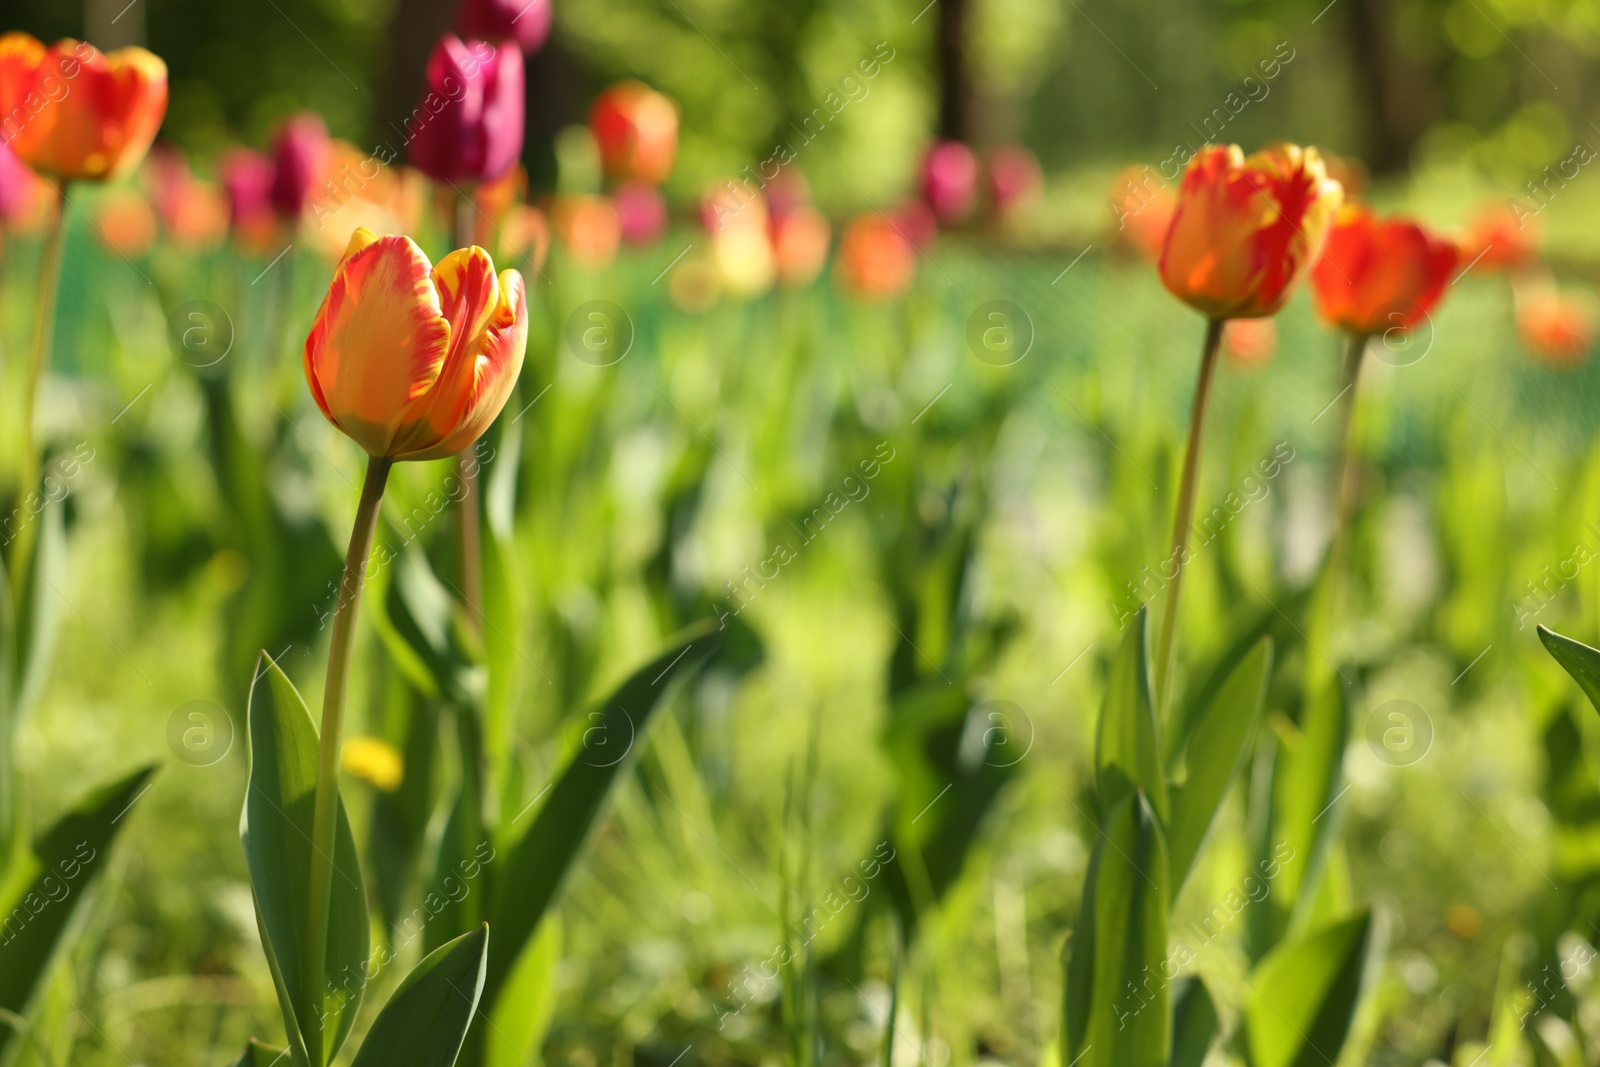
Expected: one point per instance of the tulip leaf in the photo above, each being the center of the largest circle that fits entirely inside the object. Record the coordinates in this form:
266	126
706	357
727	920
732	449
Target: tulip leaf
426	1019
521	1014
1217	749
1305	788
1115	1015
44	890
1578	660
276	828
38	612
1127	751
258	1055
532	872
1303	996
1194	1023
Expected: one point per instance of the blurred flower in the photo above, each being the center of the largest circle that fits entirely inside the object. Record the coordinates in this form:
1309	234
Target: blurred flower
27	201
636	129
950	181
643	212
800	244
492	200
126	223
1250	342
526	22
1246	230
1349	172
247	182
300	155
468	127
694	284
1498	238
1463	920
742	250
525	237
786	192
1376	276
589	227
914	222
1143	206
874	260
1557	327
410	360
374	761
194	212
82	114
1013	179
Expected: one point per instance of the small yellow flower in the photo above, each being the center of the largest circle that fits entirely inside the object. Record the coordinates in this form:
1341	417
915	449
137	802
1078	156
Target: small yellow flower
374	761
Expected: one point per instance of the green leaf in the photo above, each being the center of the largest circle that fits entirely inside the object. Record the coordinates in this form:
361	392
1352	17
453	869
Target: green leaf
536	865
1127	750
258	1055
1117	1009
527	1002
1578	660
45	890
38	614
1217	749
423	627
1305	786
1303	996
1194	1023
276	831
426	1020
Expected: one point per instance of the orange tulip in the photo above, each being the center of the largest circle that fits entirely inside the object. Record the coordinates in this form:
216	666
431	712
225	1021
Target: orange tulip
874	261
637	131
1246	230
71	112
1380	275
1557	327
410	360
1499	238
1250	342
127	223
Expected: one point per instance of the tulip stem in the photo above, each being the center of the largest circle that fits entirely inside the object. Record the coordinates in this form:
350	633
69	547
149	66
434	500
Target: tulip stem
1344	513
1166	648
469	507
43	336
324	819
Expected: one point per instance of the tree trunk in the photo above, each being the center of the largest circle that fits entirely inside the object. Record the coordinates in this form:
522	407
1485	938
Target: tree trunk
955	99
1398	92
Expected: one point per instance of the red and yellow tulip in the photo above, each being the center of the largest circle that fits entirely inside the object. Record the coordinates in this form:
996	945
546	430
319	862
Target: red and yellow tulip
1247	229
1380	274
73	112
414	361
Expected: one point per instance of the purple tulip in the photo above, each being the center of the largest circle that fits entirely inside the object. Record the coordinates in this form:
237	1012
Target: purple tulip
300	155
526	22
468	127
16	183
247	178
642	211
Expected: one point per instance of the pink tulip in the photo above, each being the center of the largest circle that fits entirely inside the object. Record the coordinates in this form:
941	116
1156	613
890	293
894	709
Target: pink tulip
642	211
247	178
19	186
950	181
468	127
301	154
527	22
1013	176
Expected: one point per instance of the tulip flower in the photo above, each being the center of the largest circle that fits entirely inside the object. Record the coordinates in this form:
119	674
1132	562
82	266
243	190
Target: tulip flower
950	181
636	129
468	127
1556	327
525	22
1250	342
27	202
72	112
1142	206
1243	234
410	360
1499	238
915	222
525	236
1012	178
126	223
589	227
799	244
875	262
641	211
742	251
1375	276
301	154
1246	230
247	180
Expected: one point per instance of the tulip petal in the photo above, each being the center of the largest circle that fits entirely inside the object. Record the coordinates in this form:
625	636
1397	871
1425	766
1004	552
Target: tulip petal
379	341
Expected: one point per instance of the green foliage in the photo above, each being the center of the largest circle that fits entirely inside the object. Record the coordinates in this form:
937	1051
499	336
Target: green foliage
426	1020
1127	754
1303	995
1578	660
276	831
